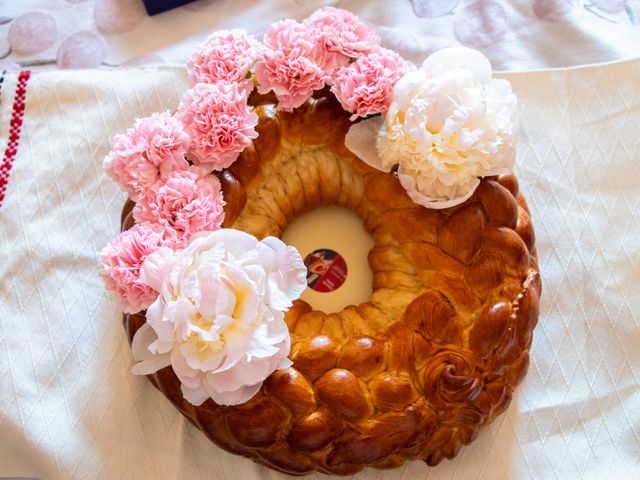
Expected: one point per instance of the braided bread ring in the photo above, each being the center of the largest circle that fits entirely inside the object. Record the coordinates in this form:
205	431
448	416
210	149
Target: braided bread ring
433	356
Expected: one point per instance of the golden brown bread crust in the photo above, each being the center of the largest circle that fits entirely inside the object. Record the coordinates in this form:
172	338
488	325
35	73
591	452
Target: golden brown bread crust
418	370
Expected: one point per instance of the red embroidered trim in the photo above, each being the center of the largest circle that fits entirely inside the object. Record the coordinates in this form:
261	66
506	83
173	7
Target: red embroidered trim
14	132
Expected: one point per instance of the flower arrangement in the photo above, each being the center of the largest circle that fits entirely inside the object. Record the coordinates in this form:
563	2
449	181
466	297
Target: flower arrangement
215	298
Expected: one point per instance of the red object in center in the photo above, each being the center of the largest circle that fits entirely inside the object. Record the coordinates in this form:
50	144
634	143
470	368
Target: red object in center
326	270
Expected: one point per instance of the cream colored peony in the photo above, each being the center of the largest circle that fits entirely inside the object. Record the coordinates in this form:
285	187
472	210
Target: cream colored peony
219	319
448	124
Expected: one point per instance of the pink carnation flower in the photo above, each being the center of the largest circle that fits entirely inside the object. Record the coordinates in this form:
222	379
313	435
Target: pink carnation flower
227	56
121	260
288	35
293	79
219	122
341	35
152	148
189	201
365	87
290	64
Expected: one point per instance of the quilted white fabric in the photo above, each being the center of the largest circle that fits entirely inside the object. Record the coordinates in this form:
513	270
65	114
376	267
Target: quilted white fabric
69	408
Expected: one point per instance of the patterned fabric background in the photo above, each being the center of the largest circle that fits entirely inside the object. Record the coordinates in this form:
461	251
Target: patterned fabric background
515	35
69	407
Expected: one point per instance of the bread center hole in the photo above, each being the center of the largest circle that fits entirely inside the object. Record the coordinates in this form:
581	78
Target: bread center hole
335	246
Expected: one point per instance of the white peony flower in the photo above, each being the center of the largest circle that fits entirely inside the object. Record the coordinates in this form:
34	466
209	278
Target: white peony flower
219	319
449	123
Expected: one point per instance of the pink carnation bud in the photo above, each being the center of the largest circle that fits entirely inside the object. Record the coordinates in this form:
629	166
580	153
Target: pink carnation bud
188	201
365	87
219	122
152	148
121	260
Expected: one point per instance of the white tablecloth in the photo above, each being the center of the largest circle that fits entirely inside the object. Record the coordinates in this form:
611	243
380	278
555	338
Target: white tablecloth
69	408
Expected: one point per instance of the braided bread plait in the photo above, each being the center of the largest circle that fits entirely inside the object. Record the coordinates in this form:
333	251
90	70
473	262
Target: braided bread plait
416	371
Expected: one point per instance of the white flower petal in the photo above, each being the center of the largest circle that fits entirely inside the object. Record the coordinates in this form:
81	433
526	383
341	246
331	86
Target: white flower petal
235	242
289	271
235	397
162	329
503	170
361	141
407	86
262	346
173	325
188	376
275	297
148	367
156	267
234	349
198	360
456	57
147	362
274	332
409	185
195	396
215	296
284	364
239	375
247	296
274	243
